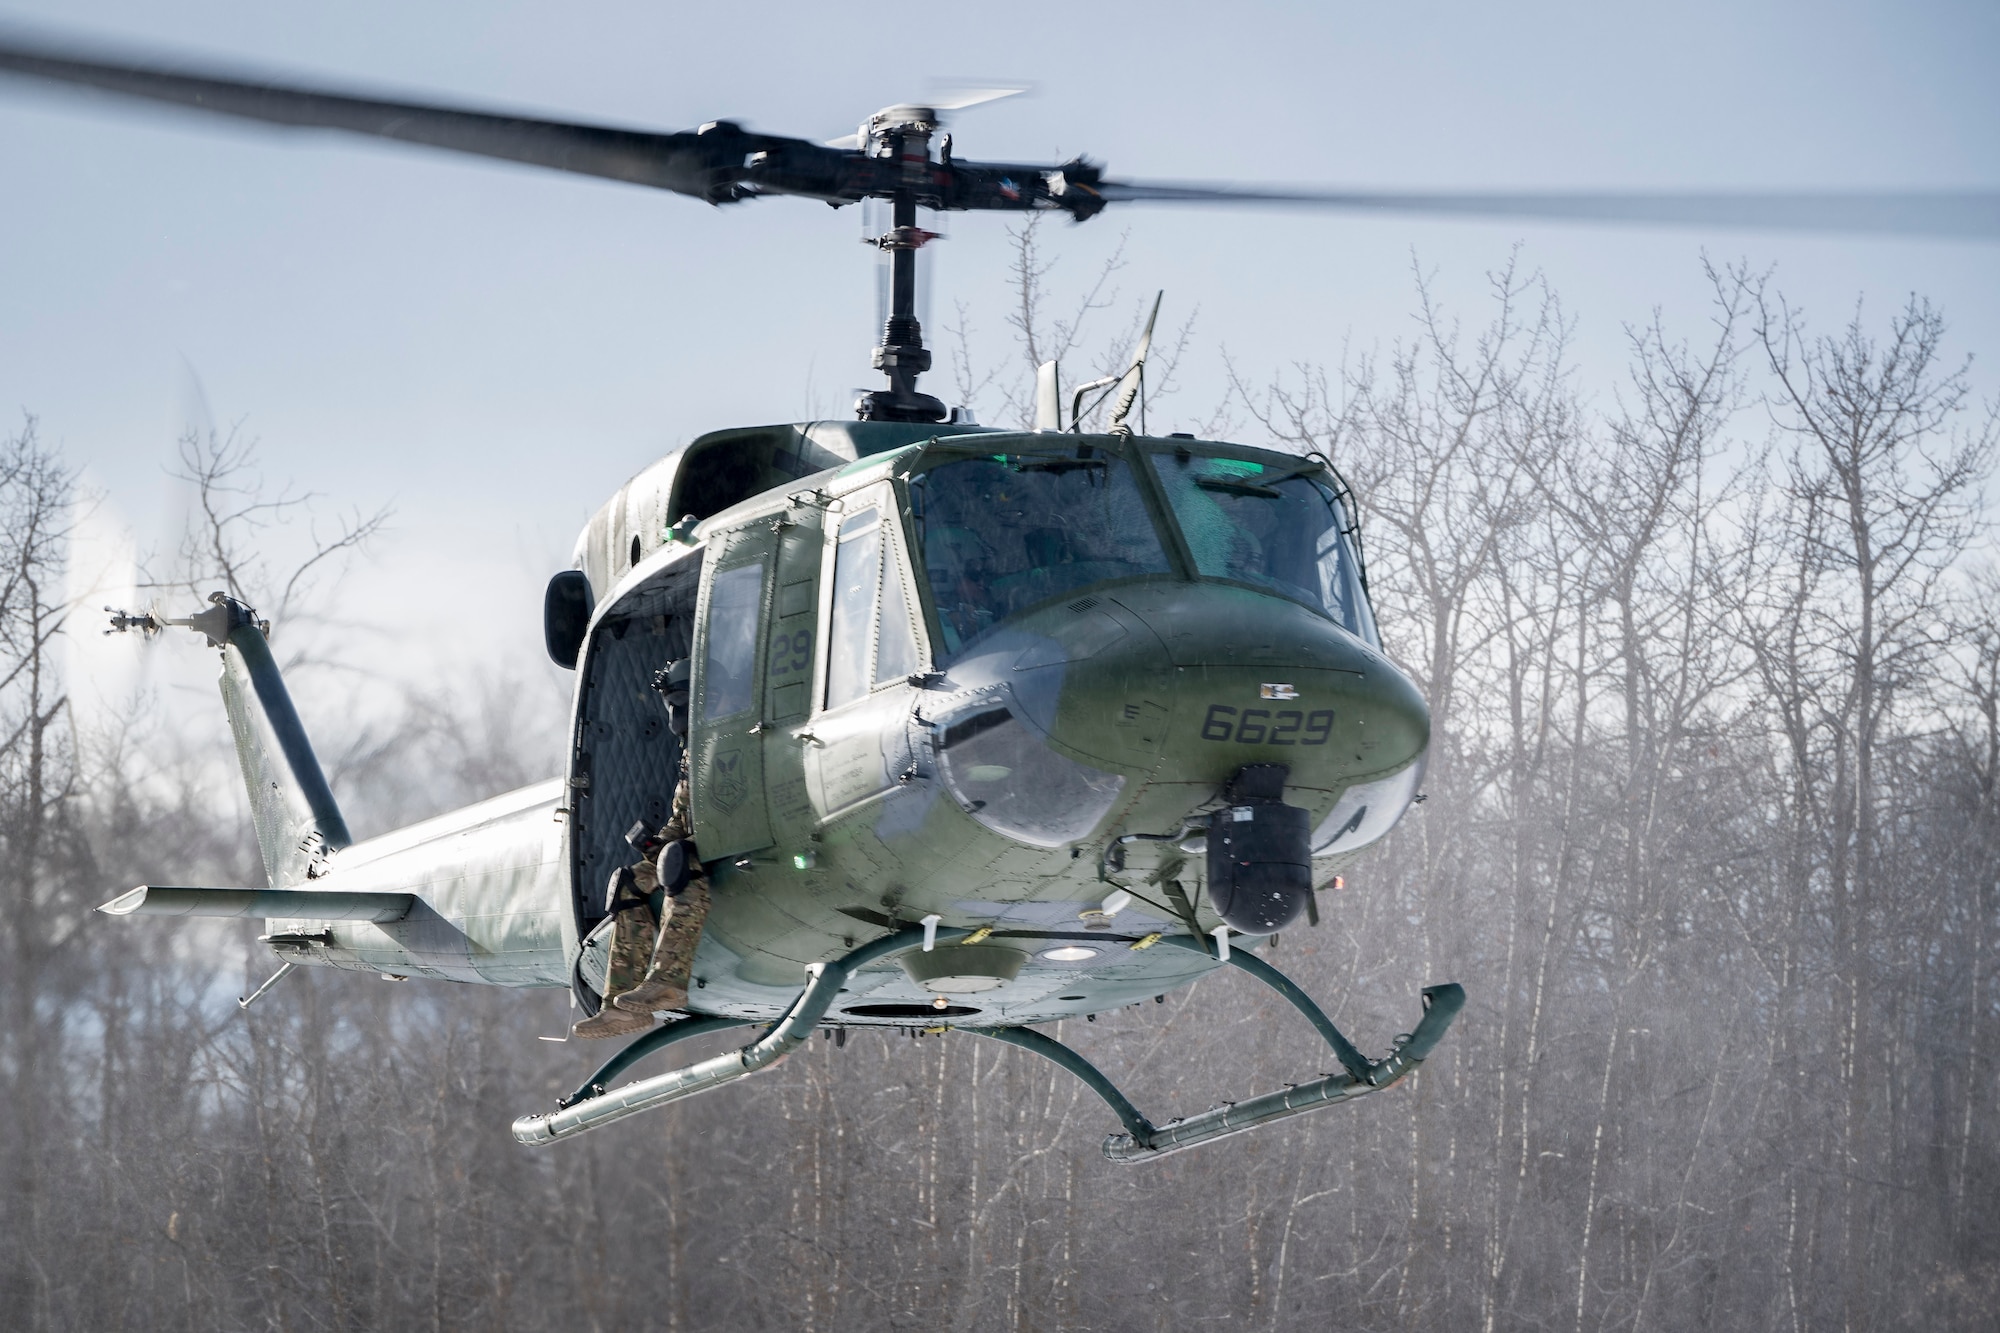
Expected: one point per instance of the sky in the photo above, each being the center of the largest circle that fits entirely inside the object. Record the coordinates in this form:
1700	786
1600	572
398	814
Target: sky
493	350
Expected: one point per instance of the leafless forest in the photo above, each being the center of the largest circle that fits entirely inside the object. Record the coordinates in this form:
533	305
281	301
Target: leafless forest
1711	839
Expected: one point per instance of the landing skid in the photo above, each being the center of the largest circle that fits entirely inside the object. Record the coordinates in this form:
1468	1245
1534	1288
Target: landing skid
593	1105
1144	1141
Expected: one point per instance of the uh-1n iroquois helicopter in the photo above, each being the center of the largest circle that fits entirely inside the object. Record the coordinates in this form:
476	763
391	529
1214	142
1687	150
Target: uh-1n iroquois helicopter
985	728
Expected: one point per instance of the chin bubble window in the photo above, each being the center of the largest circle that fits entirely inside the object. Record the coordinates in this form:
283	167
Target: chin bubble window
1366	811
1011	782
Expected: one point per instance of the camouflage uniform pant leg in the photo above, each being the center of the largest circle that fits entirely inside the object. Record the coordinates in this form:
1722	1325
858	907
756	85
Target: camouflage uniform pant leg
681	922
680	823
633	939
680	933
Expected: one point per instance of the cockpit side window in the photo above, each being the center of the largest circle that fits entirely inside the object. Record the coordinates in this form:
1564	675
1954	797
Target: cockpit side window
1002	532
1274	527
864	650
895	638
857	569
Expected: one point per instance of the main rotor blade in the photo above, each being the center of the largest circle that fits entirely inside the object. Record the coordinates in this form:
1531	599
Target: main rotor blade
1973	214
721	162
697	164
957	98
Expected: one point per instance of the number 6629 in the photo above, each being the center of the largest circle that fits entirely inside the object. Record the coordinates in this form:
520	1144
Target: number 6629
1262	726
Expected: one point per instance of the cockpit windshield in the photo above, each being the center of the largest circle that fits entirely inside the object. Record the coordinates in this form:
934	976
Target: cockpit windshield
1001	532
1275	526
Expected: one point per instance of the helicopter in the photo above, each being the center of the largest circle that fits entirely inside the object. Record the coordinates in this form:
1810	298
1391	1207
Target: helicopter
983	728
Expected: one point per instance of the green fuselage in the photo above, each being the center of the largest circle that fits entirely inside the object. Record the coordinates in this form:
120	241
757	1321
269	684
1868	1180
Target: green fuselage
945	679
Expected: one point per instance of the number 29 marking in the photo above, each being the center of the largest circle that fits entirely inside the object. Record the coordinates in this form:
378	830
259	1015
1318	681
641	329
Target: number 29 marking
791	652
1261	726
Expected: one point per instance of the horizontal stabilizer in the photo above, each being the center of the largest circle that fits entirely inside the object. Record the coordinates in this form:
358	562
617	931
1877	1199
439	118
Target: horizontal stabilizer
312	904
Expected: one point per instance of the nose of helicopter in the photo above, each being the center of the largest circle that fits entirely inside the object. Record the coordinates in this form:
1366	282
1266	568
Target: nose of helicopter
1162	693
1255	679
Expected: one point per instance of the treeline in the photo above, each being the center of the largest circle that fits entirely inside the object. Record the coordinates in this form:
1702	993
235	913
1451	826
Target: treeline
1709	837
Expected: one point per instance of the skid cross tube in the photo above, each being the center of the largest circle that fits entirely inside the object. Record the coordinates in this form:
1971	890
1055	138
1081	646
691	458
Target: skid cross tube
1351	1059
785	1036
1136	1125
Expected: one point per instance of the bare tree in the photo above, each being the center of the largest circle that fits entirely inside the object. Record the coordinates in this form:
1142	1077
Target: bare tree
41	855
1046	327
1714	847
236	507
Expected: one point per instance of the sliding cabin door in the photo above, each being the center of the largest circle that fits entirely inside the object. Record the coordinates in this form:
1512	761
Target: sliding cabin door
729	695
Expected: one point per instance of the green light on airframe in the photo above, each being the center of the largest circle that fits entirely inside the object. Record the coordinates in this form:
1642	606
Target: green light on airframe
1234	467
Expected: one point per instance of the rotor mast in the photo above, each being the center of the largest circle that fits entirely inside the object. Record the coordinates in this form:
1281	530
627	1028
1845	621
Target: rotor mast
902	135
902	355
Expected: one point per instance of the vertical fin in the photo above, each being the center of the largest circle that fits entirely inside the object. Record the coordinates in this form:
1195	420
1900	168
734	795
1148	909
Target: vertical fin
292	807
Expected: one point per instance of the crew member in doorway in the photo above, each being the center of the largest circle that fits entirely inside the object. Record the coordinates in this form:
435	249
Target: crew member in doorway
632	891
660	903
677	868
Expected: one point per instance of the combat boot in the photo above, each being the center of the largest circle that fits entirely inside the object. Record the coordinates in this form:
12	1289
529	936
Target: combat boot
665	983
611	1021
653	994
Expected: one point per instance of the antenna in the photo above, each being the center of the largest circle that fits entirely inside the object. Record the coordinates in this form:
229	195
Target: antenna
1048	396
1135	378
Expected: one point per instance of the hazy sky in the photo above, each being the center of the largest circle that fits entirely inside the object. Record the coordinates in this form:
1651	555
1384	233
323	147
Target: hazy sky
495	349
